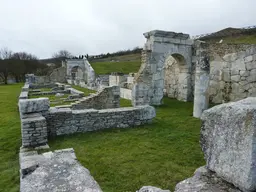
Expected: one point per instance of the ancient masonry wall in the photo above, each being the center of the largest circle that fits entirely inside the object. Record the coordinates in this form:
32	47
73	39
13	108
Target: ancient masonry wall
232	72
39	121
57	75
108	97
67	121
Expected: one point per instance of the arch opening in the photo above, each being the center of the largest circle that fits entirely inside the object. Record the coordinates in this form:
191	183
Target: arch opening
177	78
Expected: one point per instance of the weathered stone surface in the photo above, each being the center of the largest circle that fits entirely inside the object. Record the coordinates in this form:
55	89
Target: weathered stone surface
152	189
59	95
56	171
229	143
33	130
108	97
34	105
23	95
205	180
235	78
66	121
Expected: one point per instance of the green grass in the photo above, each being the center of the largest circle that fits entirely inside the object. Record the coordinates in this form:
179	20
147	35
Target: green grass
10	138
51	97
160	154
85	90
124	67
244	39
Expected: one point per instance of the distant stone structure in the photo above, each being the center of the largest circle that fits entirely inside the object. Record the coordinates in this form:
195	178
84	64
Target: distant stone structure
79	72
174	65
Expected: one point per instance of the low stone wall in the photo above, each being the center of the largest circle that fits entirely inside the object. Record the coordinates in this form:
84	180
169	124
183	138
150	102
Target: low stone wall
126	93
38	120
67	121
108	97
51	92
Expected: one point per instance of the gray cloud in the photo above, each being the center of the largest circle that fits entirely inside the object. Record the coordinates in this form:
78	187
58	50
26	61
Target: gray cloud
96	26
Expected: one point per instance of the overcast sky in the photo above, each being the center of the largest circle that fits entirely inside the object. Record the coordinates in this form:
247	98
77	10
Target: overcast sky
42	27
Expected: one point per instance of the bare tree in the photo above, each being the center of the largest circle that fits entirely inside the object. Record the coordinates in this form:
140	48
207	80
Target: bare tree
23	56
5	53
62	54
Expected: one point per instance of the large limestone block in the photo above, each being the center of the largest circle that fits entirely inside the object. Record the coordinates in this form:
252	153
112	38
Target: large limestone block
34	105
205	180
152	189
229	143
55	171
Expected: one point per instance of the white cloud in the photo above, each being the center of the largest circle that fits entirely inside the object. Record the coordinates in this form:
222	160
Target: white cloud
96	26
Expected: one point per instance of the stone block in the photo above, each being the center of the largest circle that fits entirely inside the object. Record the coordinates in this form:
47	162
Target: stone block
248	58
226	75
152	189
251	78
238	64
235	78
205	180
34	105
244	73
250	65
229	143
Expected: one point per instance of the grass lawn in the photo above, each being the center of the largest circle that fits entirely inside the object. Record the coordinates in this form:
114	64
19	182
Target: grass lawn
160	154
123	66
10	138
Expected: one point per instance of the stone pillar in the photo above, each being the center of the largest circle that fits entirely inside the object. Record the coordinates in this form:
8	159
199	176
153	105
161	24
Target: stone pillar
202	79
33	124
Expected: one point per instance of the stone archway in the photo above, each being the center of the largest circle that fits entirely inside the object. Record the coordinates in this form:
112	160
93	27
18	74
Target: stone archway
80	72
177	78
149	81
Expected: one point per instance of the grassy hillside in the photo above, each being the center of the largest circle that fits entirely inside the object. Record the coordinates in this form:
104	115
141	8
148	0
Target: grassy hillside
232	35
124	67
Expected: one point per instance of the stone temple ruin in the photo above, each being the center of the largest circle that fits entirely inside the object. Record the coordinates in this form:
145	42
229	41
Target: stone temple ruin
172	65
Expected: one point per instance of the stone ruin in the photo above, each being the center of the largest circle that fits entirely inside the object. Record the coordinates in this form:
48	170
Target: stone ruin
39	122
177	66
172	65
73	71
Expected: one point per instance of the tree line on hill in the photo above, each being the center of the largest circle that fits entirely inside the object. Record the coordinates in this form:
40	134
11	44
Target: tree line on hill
17	64
114	54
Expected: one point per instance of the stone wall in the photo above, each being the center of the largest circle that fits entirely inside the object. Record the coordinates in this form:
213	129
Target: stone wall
232	74
33	124
85	76
67	121
58	75
108	97
126	93
116	79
